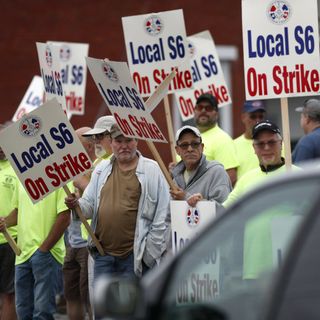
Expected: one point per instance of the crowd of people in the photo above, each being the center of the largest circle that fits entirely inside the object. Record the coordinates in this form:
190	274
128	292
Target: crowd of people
127	200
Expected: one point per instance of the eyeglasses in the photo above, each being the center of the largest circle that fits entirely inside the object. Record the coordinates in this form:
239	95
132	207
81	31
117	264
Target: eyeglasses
193	145
262	145
207	108
256	116
101	136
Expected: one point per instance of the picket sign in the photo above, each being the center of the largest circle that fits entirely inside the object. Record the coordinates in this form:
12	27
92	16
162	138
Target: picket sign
281	54
112	76
46	136
165	33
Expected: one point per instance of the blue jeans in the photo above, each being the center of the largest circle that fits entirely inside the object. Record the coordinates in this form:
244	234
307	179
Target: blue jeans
112	265
35	287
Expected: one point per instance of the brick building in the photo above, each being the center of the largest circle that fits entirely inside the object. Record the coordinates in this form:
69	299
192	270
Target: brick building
98	22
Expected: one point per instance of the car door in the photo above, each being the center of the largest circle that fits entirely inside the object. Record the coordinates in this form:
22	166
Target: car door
296	292
227	272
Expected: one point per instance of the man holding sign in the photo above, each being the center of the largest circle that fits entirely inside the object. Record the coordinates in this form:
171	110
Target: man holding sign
46	155
127	199
197	177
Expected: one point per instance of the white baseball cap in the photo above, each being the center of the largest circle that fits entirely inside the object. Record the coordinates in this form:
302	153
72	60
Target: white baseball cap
187	128
102	124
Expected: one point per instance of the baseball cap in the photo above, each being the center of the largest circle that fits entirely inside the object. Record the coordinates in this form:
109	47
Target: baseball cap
187	128
253	106
208	97
115	131
311	108
264	125
102	124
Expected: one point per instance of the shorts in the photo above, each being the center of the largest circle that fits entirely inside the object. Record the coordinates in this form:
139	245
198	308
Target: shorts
75	275
7	260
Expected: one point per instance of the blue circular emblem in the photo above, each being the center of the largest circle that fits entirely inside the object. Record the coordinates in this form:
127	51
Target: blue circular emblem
279	11
110	73
30	126
193	217
48	57
65	52
153	25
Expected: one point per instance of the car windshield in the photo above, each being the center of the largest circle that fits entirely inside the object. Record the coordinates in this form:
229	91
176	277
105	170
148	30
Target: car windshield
229	267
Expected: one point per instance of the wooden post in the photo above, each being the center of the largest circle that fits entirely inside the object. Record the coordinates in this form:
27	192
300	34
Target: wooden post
155	99
12	243
163	168
286	132
170	128
86	224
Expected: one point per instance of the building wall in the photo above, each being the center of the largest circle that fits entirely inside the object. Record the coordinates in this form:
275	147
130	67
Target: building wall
98	22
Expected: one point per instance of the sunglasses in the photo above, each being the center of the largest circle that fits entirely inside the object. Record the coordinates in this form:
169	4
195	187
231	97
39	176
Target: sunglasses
101	136
193	145
261	145
207	108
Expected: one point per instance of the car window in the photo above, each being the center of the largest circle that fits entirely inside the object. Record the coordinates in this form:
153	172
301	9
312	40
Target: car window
297	293
228	269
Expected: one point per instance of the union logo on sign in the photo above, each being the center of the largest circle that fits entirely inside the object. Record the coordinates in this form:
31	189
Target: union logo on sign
110	73
65	52
30	126
191	48
153	25
279	12
193	217
48	57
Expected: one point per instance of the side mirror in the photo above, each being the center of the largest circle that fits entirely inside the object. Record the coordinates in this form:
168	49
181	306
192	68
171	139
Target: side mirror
117	297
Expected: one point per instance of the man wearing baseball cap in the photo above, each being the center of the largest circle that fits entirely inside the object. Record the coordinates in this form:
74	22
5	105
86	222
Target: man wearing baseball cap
196	177
257	253
308	147
252	112
101	135
127	199
267	144
218	145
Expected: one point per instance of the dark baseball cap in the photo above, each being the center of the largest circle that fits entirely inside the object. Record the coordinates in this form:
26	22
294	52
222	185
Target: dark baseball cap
311	108
209	98
265	125
253	106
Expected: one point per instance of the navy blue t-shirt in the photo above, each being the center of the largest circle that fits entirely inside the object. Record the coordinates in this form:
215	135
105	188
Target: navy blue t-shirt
308	147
